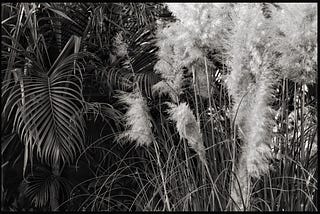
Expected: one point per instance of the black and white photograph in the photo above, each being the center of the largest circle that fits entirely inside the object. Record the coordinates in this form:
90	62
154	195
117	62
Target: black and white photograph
159	106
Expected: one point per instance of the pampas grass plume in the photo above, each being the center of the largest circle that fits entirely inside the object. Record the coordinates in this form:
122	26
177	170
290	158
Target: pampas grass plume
137	120
120	45
187	127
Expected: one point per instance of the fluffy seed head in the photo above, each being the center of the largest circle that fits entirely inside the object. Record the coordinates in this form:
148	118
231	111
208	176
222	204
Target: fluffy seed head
137	120
187	127
120	45
299	44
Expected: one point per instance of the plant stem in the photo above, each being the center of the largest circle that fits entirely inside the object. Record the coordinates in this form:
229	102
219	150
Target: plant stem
210	102
302	122
54	192
162	176
194	81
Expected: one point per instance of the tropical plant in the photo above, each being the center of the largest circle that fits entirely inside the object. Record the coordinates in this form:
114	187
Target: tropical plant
44	77
158	106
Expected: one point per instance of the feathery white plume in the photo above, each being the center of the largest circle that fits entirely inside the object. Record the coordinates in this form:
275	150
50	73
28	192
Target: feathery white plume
188	127
299	43
137	120
120	45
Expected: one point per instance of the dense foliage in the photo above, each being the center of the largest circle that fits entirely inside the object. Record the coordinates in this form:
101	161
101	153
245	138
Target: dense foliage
154	106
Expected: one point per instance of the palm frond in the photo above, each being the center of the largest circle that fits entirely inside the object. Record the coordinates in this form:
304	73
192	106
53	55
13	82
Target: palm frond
41	183
48	110
120	72
64	21
137	66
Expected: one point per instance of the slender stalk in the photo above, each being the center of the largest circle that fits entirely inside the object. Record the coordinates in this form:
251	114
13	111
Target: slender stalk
212	125
162	176
302	143
54	192
302	122
213	187
194	81
282	147
210	102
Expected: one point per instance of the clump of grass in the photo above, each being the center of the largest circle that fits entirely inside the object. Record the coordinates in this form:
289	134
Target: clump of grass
172	179
251	44
251	84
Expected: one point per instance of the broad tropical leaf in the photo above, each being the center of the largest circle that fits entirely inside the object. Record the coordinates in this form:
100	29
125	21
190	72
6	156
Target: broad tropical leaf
48	110
41	183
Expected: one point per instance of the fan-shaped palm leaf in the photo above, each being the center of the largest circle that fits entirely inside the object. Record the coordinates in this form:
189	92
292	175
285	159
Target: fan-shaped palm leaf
41	185
48	111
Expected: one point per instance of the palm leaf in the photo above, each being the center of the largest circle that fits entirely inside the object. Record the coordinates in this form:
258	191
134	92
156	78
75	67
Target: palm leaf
40	184
137	22
136	67
49	110
63	21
